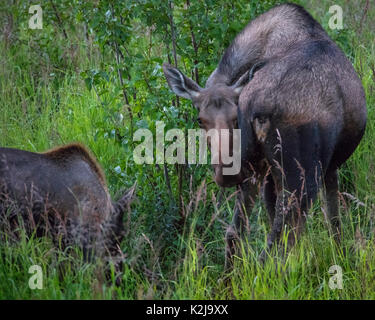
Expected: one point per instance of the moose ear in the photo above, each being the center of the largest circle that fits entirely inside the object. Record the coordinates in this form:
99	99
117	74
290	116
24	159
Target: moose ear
180	84
247	76
240	83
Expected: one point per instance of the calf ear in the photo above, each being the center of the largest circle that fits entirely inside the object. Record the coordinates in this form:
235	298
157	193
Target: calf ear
180	84
125	200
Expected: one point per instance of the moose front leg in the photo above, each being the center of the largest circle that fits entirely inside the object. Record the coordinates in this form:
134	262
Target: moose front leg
331	184
246	195
289	215
293	201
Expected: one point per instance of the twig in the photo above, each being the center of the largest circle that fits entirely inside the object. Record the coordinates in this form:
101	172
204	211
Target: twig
195	47
364	16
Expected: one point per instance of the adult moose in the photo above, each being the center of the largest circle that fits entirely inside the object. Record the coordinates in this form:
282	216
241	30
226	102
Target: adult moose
61	193
301	116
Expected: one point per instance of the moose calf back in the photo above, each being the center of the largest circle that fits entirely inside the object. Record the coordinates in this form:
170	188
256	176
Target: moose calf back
61	192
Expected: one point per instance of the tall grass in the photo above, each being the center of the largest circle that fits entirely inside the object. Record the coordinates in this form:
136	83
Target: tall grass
41	111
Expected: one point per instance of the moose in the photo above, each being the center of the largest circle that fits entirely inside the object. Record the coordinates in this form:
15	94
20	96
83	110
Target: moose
62	193
301	110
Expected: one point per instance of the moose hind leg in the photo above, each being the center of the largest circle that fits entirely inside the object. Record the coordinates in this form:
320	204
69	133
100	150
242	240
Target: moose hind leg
331	186
270	197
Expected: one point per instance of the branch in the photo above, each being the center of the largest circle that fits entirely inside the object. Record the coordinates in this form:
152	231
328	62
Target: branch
122	87
173	36
59	21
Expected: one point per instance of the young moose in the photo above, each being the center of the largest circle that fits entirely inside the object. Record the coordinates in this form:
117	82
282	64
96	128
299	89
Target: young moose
301	116
62	193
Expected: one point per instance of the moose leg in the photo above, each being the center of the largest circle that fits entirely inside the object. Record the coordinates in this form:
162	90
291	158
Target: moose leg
296	173
331	185
269	197
290	214
245	200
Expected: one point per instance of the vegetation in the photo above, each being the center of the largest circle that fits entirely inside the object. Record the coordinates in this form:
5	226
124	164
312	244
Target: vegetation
93	74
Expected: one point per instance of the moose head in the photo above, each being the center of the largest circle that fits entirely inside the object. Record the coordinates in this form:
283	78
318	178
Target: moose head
217	105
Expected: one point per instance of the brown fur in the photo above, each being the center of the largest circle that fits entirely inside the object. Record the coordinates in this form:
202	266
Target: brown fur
62	153
61	193
300	106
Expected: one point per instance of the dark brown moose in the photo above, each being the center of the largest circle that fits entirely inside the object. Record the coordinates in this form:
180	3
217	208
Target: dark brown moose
301	109
62	193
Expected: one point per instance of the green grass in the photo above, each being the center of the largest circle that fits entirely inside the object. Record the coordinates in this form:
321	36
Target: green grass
162	261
